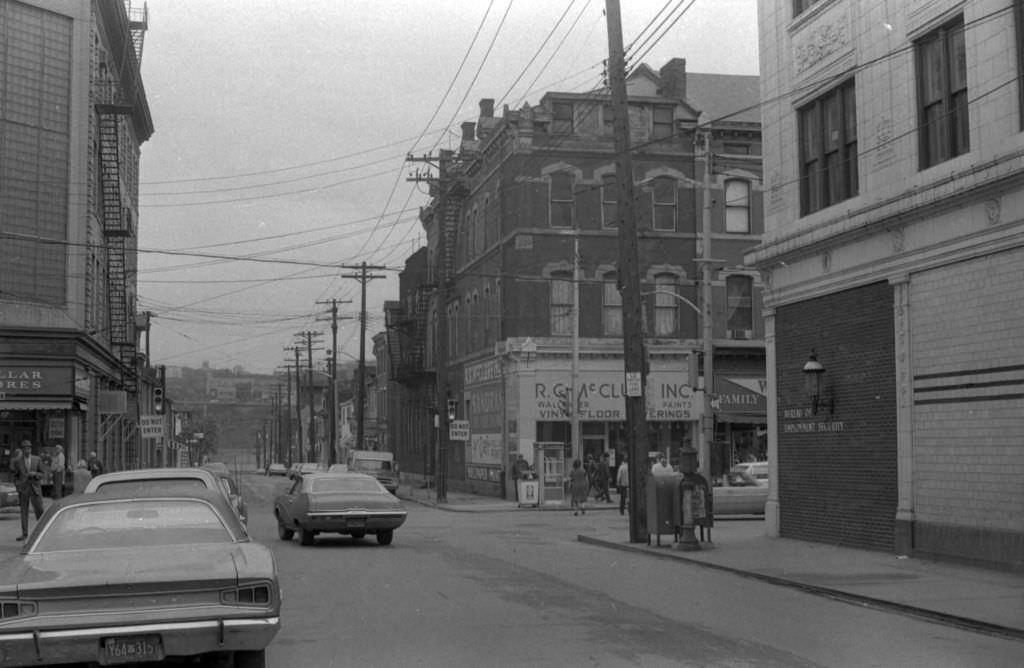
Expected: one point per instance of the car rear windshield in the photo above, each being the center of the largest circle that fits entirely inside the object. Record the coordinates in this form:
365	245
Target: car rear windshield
345	485
135	486
133	523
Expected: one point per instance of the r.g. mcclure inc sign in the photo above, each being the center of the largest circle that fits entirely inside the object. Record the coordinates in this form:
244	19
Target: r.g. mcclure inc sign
601	396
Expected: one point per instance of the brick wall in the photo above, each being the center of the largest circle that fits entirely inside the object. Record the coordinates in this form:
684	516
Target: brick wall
837	471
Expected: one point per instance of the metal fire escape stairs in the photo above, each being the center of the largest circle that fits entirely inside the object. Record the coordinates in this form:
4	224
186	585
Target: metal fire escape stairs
118	226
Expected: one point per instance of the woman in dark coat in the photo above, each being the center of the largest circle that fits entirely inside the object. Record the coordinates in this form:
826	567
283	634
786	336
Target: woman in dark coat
579	485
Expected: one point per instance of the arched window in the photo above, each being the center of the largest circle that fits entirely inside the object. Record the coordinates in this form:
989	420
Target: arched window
664	194
610	200
611	314
666	306
739	300
737	206
561	200
561	303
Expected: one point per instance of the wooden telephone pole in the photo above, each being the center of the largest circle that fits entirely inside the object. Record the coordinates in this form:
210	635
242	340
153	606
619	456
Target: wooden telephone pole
332	456
634	356
363	277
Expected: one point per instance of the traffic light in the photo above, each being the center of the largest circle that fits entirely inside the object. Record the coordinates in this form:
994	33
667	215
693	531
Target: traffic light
451	409
158	400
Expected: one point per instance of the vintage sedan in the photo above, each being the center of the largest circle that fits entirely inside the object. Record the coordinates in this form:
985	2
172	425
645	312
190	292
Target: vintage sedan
169	478
354	504
739	494
8	495
277	468
300	469
231	487
136	577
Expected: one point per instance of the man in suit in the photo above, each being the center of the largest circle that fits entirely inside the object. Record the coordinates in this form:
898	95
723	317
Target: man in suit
28	477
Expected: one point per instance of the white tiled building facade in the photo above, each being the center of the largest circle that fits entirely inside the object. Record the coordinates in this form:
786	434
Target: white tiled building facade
894	252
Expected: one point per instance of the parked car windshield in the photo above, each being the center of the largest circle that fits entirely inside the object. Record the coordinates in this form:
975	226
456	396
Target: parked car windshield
346	485
132	522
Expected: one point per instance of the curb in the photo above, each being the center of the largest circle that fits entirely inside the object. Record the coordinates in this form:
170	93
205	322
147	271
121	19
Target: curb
946	619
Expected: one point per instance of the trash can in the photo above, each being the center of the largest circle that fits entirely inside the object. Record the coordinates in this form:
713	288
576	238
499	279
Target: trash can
662	505
529	492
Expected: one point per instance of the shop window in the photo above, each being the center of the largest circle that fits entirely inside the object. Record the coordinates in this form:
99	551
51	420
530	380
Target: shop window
942	94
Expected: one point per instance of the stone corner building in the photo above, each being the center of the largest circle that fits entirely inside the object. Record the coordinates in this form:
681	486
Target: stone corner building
894	253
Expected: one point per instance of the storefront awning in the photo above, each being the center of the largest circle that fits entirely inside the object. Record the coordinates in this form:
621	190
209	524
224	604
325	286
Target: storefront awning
742	418
35	405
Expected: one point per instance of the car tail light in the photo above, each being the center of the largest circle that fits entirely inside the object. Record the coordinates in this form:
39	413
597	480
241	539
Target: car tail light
260	594
12	609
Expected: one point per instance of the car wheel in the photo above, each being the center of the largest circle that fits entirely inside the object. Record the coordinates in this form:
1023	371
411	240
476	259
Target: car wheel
251	659
358	535
306	536
385	537
283	532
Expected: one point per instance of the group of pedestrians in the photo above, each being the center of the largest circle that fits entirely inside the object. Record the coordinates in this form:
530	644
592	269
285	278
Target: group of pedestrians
595	477
28	473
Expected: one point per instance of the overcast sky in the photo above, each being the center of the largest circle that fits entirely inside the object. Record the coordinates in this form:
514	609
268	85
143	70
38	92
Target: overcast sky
282	128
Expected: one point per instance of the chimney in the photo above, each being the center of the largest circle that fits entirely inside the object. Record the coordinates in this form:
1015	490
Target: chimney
468	131
673	79
486	107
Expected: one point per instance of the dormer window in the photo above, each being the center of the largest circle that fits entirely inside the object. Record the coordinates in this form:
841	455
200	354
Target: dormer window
561	118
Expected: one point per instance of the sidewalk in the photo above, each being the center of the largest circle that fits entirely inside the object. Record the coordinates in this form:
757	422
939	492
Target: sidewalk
978	599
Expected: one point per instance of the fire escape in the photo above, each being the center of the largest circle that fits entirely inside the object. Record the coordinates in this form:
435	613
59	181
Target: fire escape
118	225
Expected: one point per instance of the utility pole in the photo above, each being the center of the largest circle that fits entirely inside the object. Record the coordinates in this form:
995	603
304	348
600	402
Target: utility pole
311	453
363	277
332	456
298	406
707	322
629	284
448	193
574	400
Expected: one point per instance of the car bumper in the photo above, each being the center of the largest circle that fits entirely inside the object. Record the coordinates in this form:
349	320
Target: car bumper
352	522
77	645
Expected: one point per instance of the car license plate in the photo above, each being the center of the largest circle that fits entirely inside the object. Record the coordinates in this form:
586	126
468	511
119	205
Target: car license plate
356	523
130	649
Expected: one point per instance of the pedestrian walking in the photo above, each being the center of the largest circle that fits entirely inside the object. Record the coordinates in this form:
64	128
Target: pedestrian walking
59	464
622	482
28	478
602	479
589	468
94	465
579	485
80	477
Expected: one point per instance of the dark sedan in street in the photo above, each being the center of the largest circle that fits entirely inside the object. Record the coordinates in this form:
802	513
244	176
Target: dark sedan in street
352	504
139	576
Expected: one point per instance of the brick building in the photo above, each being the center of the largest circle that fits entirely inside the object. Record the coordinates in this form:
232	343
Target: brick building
526	193
73	115
894	253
